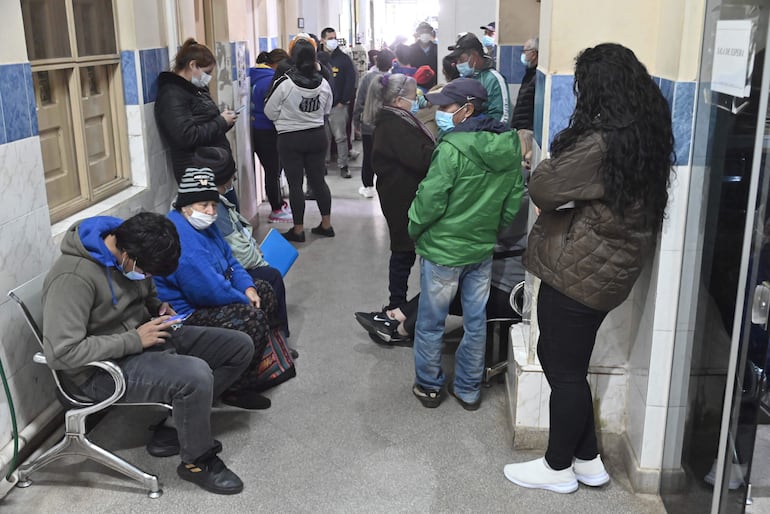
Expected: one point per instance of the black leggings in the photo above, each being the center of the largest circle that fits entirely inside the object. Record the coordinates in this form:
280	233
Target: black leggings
567	336
301	152
398	277
265	143
367	172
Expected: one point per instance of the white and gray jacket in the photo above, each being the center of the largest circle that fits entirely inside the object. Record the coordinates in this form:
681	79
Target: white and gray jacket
298	103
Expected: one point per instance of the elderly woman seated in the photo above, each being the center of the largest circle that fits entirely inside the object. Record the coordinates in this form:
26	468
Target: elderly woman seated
210	286
239	233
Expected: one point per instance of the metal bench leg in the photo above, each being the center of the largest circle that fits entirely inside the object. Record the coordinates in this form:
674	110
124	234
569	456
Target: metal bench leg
75	443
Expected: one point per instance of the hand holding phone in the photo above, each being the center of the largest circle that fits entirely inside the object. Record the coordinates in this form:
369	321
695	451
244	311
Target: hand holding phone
240	109
177	321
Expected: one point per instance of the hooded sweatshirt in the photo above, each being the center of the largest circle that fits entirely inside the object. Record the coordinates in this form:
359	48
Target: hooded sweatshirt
297	102
472	191
90	309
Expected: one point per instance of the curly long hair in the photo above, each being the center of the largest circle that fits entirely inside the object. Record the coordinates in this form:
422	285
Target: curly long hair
617	97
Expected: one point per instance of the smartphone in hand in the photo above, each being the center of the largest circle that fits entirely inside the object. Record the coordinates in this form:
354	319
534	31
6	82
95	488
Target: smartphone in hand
177	320
240	109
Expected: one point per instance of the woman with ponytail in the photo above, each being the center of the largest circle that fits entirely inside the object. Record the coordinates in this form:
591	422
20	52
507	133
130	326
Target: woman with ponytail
297	104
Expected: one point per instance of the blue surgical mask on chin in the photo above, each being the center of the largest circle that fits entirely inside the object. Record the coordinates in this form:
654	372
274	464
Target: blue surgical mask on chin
445	121
464	69
524	60
133	274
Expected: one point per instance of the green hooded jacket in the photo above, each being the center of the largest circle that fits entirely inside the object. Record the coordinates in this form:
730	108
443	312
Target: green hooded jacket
473	190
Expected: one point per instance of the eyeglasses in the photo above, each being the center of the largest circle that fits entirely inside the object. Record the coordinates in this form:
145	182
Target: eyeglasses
530	50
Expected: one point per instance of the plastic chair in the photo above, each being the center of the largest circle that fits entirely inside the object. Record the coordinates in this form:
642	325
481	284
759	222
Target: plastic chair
78	407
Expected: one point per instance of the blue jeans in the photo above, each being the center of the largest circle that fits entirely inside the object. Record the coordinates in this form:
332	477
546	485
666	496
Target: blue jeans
439	285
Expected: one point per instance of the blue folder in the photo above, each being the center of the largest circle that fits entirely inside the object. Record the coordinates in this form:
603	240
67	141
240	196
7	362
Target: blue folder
278	252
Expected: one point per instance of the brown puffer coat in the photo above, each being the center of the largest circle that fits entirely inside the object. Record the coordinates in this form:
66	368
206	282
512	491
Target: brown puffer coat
585	252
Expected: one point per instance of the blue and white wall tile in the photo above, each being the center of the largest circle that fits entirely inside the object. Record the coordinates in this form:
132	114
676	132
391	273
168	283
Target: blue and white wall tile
17	103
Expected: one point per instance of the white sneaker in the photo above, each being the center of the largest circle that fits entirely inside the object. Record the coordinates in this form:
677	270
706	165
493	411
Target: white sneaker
366	192
281	216
737	472
590	472
536	474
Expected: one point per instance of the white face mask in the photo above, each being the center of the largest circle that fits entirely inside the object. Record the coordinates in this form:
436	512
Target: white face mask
201	81
331	44
201	220
426	38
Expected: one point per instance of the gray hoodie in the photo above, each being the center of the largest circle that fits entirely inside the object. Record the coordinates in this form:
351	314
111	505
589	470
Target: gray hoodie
90	310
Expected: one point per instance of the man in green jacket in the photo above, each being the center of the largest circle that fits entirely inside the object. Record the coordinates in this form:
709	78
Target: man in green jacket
472	62
473	189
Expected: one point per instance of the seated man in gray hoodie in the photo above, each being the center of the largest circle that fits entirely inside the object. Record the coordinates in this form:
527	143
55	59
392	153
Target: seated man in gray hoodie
99	303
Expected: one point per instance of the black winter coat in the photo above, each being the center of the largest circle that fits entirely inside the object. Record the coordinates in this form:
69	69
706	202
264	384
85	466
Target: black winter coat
418	58
524	111
401	153
188	119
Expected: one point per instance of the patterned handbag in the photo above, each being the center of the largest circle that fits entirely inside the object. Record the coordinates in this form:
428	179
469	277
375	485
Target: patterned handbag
276	365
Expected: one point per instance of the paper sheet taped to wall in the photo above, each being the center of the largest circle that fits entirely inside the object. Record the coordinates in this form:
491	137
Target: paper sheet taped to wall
733	57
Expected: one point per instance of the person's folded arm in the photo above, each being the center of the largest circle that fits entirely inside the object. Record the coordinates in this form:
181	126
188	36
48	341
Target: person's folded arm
572	176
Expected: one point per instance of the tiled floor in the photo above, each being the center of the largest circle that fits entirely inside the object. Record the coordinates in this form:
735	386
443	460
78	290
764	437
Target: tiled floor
346	435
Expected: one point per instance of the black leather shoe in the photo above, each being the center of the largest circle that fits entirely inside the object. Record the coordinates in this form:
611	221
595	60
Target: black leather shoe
210	473
290	235
165	442
248	400
320	231
345	172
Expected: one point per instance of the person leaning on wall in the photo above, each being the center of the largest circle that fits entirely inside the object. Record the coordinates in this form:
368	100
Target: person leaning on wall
602	198
186	115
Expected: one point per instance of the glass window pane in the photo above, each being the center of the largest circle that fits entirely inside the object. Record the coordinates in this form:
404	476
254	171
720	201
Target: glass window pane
94	27
45	29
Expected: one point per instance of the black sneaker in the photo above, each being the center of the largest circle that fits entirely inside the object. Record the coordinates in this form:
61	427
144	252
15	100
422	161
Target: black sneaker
320	231
395	340
210	473
249	400
378	323
345	172
290	235
467	406
429	399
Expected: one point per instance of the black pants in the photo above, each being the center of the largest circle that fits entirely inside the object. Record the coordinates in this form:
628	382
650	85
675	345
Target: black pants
367	172
398	277
567	336
273	277
265	143
304	152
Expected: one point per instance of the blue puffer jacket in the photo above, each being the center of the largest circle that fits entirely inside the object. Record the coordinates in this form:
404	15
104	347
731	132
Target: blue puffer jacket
261	78
208	275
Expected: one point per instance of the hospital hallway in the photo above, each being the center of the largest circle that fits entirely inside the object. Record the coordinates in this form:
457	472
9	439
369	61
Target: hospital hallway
345	435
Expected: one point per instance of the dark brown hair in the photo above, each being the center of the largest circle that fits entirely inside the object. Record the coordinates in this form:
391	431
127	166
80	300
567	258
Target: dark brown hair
191	50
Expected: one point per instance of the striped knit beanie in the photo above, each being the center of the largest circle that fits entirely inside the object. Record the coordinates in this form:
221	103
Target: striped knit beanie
197	185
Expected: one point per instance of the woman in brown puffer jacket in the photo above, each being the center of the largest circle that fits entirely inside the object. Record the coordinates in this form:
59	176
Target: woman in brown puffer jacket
602	198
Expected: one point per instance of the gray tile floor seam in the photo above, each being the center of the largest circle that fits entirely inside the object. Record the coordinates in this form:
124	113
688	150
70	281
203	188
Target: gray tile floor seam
346	435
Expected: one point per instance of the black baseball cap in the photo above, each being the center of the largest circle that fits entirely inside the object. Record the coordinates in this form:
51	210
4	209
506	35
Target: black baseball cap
467	42
489	26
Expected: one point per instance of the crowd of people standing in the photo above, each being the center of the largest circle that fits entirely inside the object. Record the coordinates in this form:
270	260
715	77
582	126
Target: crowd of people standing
449	162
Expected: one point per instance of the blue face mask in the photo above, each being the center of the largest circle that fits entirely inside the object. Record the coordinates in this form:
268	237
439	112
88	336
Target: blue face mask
414	106
464	69
445	121
133	274
524	59
487	41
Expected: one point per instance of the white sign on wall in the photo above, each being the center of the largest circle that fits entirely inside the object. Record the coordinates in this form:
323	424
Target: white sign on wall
733	57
